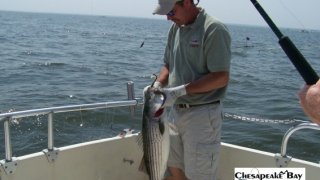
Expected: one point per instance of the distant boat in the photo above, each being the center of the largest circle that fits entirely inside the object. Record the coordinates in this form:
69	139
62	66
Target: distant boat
248	39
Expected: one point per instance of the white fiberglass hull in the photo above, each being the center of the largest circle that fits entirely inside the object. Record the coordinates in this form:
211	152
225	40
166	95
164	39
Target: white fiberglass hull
119	158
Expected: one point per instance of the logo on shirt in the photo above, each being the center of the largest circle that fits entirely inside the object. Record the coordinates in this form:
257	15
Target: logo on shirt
194	43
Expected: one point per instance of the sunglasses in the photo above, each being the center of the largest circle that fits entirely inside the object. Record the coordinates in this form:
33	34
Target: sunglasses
172	13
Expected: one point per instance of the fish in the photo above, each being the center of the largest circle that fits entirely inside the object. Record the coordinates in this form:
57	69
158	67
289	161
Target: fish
155	135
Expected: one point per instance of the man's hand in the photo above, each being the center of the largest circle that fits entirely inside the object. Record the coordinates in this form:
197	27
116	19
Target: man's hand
309	98
172	94
156	86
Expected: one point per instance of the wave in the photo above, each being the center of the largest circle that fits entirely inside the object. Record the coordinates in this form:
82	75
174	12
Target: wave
53	64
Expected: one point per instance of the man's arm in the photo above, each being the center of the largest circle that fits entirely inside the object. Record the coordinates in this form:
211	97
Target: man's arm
164	75
207	83
211	81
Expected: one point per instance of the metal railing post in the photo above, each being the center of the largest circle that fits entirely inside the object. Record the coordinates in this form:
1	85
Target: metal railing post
51	152
8	165
7	140
131	96
292	130
282	160
50	131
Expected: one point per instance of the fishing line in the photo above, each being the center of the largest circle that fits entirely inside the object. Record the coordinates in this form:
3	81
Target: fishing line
81	118
294	55
109	117
292	14
91	7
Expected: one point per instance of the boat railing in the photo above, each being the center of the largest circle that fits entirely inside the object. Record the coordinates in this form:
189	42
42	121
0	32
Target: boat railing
282	158
51	152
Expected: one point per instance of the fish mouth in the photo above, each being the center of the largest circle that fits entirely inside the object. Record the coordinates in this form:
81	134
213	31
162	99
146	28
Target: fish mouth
156	104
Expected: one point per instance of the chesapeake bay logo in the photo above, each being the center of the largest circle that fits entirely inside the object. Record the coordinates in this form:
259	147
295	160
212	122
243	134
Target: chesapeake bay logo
269	174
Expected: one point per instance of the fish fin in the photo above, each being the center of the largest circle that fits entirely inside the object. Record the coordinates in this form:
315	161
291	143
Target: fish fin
139	141
143	167
161	127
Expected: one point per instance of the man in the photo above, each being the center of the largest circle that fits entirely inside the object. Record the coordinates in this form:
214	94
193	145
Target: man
194	78
309	97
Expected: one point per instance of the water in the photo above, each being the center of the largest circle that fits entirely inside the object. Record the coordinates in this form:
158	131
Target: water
52	60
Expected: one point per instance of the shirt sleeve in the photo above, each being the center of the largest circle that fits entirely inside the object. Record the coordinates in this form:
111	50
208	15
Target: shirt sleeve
166	57
217	49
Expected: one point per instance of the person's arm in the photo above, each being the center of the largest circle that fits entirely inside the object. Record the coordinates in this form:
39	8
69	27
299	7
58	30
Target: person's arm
209	82
163	76
309	98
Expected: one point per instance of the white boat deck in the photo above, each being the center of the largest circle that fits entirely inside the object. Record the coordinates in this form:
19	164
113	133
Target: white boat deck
119	158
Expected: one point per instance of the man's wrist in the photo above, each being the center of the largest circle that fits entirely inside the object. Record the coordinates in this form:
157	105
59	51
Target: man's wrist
181	90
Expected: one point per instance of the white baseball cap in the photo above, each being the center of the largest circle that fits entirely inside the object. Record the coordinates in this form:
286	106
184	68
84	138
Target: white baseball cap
164	6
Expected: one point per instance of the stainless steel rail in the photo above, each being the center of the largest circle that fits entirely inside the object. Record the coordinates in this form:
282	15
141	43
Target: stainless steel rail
68	108
7	117
291	131
7	140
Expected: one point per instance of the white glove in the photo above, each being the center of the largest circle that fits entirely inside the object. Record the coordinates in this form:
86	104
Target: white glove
172	94
156	86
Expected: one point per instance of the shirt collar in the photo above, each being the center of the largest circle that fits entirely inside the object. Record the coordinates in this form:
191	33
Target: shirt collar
198	20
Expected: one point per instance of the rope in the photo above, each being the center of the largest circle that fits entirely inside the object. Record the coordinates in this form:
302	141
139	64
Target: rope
262	120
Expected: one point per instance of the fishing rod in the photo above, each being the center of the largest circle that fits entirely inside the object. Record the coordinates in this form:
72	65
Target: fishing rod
296	58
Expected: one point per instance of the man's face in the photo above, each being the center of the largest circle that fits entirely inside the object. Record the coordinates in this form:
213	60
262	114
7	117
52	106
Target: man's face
177	14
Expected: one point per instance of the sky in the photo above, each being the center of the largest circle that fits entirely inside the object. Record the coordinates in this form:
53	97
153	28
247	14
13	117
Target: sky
302	14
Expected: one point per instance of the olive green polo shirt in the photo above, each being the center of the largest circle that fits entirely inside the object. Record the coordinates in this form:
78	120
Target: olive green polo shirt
195	50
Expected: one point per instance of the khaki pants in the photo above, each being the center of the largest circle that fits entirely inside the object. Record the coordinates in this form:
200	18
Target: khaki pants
195	137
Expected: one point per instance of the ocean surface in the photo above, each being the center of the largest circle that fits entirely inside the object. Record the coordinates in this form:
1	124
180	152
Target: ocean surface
49	60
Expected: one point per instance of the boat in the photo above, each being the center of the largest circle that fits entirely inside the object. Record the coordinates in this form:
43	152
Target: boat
119	157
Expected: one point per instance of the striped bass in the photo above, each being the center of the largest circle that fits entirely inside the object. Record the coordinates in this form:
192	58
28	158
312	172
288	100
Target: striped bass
155	135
